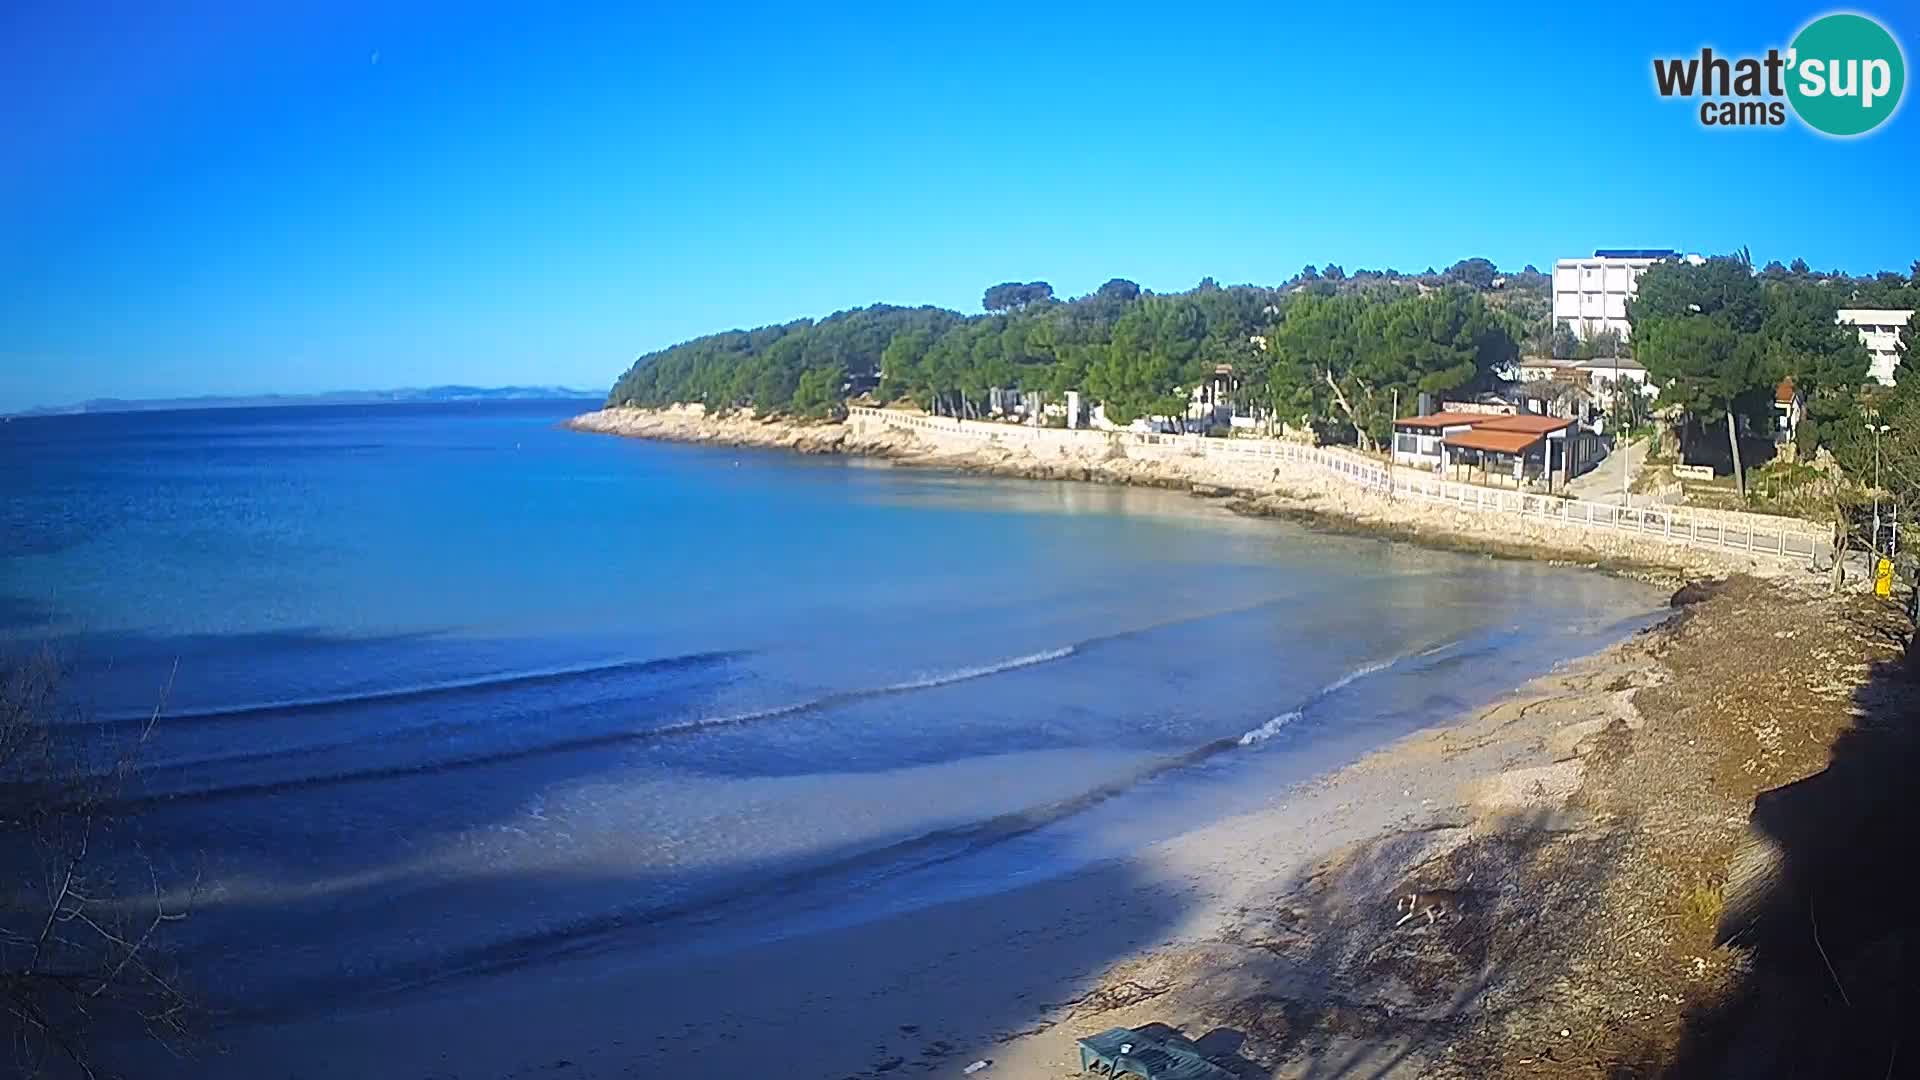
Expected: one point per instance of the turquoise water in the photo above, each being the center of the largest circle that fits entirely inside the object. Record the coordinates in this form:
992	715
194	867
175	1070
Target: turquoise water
446	688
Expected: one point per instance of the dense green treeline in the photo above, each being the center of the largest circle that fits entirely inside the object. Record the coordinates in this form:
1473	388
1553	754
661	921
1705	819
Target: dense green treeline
1136	353
1718	339
1350	360
1326	350
1885	289
1337	365
798	366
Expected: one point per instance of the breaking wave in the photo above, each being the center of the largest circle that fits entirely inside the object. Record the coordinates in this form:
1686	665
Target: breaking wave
1279	723
903	856
1269	729
409	694
586	741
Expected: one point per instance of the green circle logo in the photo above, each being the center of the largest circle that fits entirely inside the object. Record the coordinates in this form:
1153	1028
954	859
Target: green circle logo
1846	74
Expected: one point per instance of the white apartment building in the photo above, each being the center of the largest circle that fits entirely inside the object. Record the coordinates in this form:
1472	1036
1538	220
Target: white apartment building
1599	376
1590	295
1880	330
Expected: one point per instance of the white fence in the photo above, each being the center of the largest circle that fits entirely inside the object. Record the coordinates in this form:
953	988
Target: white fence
1790	540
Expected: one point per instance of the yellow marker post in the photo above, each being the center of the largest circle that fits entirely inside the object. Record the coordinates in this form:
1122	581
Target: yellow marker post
1883	578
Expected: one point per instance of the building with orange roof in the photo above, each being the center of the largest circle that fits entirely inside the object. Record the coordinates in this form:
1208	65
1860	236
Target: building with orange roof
1515	449
1789	408
1417	439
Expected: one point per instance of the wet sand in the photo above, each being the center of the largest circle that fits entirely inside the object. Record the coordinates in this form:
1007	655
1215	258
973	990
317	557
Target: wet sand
1010	978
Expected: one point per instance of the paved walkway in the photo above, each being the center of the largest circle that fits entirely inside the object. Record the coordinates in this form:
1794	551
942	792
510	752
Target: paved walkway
1602	483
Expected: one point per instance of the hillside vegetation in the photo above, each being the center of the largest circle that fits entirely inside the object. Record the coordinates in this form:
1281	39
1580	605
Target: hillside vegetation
1325	350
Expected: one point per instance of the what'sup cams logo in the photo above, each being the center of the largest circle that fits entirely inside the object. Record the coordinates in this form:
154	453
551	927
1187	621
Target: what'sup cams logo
1843	76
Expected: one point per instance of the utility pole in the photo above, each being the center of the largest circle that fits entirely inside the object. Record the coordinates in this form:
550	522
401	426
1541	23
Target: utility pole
1877	430
1393	442
1619	432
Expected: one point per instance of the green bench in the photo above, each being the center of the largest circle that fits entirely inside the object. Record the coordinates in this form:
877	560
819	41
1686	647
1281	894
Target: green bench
1172	1057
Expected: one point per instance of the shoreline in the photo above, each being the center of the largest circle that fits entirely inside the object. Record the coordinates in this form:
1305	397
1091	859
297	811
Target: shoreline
1589	819
1301	496
1593	821
1010	977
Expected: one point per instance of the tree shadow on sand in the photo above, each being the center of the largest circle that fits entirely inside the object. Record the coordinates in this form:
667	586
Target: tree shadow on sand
1824	899
1325	984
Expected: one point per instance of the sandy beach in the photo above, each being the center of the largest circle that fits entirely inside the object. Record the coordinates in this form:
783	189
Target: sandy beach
1587	821
682	542
1256	926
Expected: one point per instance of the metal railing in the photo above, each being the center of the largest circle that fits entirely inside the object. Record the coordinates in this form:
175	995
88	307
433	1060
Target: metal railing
1663	524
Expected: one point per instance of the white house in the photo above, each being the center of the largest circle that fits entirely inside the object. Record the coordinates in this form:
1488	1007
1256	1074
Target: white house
1596	375
1789	408
1590	295
1546	369
1602	373
1880	331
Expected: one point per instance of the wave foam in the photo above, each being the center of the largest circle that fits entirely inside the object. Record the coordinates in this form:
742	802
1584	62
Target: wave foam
964	674
1274	726
593	740
845	697
1354	676
1269	729
407	694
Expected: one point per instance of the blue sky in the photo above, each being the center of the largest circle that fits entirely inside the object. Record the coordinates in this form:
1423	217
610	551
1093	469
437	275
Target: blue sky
234	200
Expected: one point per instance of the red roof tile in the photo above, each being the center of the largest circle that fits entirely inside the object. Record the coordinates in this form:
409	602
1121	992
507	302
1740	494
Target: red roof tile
1536	425
1502	442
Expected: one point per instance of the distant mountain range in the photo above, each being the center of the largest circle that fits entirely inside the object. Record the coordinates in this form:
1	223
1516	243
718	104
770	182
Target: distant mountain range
338	397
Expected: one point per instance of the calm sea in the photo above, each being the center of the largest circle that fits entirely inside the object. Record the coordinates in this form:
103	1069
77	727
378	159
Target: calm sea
444	689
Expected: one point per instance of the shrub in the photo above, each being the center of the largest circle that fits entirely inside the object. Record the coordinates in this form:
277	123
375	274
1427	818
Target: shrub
1700	909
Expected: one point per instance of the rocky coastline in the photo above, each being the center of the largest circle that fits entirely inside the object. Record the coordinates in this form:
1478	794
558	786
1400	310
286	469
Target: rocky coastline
1299	494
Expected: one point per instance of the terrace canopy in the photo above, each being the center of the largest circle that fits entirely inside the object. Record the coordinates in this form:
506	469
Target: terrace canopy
1516	447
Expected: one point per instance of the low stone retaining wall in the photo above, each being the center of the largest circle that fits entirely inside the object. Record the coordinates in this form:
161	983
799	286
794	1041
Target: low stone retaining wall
1357	484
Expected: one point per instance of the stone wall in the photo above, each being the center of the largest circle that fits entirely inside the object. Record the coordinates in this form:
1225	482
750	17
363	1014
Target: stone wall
1281	477
1264	476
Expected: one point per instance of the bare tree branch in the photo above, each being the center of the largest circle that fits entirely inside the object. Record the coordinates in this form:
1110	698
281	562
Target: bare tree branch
79	957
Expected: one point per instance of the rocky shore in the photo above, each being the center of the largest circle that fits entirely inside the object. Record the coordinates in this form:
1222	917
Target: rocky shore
692	424
1255	487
